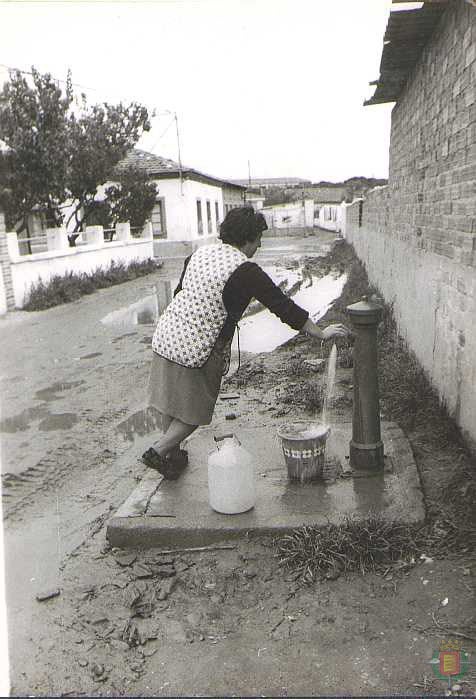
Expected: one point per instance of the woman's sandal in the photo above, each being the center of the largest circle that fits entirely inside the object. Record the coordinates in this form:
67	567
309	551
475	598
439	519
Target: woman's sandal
153	460
169	468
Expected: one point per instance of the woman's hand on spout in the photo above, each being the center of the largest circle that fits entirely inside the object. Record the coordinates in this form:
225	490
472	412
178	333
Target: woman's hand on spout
336	330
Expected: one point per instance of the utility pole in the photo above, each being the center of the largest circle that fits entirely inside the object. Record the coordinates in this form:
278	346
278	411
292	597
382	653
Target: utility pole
179	156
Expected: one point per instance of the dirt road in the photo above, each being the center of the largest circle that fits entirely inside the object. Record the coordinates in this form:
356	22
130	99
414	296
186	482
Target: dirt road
218	622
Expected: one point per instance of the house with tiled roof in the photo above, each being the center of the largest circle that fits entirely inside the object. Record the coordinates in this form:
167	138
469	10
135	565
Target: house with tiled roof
190	204
328	207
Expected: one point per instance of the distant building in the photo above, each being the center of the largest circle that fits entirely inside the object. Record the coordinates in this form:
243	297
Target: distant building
328	207
268	182
293	216
255	200
326	195
233	196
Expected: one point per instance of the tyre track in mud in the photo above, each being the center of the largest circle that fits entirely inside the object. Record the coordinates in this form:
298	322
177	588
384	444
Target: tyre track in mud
18	490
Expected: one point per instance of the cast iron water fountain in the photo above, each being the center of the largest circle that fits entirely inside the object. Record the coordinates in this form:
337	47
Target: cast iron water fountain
304	444
366	446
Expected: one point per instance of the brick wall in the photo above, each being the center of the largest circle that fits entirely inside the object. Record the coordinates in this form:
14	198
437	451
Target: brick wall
9	301
417	237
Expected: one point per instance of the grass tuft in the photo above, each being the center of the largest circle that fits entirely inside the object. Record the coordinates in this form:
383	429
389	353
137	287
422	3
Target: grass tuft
351	546
71	286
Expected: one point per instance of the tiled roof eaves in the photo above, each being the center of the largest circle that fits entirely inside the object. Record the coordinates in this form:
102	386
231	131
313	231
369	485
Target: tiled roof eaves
202	177
406	35
163	168
191	174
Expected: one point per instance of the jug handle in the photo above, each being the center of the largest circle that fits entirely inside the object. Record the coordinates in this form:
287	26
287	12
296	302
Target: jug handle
225	436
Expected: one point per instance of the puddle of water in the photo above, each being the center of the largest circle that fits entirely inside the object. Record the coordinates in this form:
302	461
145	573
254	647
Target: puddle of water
21	422
280	274
263	332
139	424
58	421
50	393
91	356
12	379
145	311
120	337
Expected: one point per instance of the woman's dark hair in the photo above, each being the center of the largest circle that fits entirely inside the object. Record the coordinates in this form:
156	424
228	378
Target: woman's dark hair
241	225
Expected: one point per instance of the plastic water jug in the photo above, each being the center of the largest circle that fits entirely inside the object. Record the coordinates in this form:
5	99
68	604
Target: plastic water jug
231	480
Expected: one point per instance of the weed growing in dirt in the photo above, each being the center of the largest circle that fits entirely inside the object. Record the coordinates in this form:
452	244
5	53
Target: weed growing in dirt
353	545
71	286
309	395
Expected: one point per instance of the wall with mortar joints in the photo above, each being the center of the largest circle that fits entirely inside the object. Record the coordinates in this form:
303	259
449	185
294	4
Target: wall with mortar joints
418	237
433	146
434	301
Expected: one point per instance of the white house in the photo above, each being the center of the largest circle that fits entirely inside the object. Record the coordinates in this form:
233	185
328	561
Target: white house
255	200
190	204
292	215
329	208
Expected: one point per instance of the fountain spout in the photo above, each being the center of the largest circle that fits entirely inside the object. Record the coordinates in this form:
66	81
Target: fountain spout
366	446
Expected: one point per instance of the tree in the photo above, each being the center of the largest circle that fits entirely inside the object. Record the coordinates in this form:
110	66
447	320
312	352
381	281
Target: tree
132	199
58	152
100	137
279	195
34	127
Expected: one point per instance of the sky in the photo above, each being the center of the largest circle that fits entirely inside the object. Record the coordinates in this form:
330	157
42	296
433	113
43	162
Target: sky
278	83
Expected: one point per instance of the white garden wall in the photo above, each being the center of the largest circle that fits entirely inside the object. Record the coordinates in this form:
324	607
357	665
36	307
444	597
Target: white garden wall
27	270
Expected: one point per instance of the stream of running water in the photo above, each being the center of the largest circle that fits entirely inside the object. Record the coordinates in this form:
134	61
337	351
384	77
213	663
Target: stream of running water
330	384
321	424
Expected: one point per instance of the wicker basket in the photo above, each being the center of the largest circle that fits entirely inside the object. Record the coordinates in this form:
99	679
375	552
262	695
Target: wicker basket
304	456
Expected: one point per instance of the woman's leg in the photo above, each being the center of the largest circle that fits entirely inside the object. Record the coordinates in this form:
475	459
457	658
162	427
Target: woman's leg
176	432
166	420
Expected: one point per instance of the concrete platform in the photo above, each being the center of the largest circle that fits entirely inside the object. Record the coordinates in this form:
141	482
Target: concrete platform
177	513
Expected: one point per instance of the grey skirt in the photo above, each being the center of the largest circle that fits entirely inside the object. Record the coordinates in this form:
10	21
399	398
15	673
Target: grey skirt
187	394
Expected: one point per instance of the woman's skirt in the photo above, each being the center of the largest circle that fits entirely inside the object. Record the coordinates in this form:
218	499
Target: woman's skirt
187	394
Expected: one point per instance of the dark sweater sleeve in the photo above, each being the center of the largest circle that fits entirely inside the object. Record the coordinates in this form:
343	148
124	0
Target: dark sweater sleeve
249	281
179	285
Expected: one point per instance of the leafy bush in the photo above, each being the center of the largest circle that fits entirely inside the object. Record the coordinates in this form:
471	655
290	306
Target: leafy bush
71	286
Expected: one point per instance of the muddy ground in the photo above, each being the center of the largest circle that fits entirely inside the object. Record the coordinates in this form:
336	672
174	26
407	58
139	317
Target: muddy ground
228	621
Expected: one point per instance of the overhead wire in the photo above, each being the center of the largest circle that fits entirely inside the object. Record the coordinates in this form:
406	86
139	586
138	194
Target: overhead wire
163	133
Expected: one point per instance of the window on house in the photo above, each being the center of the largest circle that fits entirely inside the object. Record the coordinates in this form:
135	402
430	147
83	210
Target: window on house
209	218
217	214
159	228
199	217
361	212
